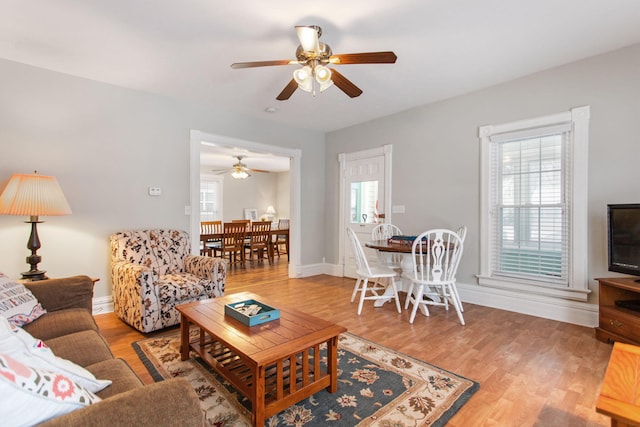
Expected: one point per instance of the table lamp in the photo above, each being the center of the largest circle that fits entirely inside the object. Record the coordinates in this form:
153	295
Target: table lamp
271	212
33	195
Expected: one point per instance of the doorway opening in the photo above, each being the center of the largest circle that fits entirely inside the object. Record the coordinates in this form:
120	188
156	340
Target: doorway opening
199	139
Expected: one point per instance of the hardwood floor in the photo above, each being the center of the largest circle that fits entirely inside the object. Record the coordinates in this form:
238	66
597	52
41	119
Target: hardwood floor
532	371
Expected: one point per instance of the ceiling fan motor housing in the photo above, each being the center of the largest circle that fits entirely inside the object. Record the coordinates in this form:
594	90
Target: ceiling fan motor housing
323	53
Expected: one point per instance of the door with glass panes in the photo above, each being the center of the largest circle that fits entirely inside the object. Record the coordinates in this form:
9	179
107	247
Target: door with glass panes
364	194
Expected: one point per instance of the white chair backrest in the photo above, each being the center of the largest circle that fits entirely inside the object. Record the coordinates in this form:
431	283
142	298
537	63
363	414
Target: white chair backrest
462	232
384	231
361	260
436	255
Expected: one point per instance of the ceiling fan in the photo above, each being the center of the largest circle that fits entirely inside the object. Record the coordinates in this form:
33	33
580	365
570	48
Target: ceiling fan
314	56
239	170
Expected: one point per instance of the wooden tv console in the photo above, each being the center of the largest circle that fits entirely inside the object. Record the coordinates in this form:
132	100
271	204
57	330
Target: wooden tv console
617	323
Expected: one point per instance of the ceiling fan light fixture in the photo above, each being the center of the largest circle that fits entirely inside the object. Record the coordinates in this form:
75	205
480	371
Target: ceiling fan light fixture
239	174
323	74
302	76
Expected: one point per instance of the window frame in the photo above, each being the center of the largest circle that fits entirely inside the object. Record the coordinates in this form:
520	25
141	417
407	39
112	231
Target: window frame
578	139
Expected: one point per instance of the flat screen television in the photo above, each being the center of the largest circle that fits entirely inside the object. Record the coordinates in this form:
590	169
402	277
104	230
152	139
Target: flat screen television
624	238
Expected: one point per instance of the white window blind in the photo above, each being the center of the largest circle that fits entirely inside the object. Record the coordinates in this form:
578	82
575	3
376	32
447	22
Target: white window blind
531	202
209	200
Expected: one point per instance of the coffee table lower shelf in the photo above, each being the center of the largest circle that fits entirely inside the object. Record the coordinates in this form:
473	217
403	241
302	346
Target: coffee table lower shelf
275	385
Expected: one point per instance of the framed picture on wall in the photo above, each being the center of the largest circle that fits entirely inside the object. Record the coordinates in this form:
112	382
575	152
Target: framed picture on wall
251	214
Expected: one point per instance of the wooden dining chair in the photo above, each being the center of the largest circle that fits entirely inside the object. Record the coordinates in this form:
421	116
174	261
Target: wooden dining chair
210	232
233	242
282	239
366	273
435	255
259	241
247	222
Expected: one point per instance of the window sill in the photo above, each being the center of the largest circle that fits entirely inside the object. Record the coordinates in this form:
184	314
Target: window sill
534	288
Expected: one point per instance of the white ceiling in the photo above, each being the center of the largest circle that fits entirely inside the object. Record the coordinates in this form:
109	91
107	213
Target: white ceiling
184	48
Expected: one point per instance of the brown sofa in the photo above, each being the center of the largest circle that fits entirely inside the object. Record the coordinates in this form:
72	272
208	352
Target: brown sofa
70	331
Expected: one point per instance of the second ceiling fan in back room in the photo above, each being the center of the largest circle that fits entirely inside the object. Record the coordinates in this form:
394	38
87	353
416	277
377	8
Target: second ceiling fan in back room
314	56
239	170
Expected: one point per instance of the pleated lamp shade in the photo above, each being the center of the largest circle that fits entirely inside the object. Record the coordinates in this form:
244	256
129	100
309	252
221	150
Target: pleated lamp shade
33	195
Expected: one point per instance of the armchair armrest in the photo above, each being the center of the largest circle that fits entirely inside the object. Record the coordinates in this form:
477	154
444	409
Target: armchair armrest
212	269
60	294
167	403
135	295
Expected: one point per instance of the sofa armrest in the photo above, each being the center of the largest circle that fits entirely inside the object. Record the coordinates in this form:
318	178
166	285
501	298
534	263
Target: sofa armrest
135	295
60	294
212	269
167	403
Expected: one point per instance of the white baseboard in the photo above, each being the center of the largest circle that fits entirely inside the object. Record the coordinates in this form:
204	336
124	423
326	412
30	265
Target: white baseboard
103	305
311	270
333	269
575	312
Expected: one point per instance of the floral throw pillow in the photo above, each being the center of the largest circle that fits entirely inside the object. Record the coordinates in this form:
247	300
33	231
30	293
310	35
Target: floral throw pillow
17	303
33	395
19	344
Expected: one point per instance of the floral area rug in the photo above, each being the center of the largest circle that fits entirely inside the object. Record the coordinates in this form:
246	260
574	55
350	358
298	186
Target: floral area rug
377	387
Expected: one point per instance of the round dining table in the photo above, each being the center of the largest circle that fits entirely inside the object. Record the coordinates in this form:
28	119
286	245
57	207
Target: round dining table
386	246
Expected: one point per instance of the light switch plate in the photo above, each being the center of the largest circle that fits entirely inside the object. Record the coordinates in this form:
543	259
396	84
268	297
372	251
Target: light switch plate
397	209
155	191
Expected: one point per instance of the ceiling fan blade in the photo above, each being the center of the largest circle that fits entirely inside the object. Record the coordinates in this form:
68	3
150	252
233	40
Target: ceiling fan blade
364	58
237	65
308	36
345	84
287	91
258	170
222	171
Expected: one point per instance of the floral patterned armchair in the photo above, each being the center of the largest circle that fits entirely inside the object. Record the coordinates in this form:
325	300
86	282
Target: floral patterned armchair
152	271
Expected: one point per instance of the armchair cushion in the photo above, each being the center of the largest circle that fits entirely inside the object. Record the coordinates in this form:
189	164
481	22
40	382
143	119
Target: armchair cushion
153	271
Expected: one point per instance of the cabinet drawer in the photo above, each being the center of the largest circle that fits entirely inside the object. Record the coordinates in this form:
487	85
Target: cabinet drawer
621	322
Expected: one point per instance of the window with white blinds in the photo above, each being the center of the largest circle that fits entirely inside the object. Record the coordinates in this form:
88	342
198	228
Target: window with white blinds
210	199
531	204
533	235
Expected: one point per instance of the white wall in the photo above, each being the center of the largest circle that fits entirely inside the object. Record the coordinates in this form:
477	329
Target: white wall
256	192
436	150
283	202
106	145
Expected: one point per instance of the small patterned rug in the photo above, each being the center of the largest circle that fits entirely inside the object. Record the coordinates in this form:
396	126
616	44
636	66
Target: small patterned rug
377	387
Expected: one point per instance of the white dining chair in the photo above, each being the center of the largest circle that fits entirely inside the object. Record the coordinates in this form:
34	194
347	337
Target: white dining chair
435	255
385	232
462	233
367	273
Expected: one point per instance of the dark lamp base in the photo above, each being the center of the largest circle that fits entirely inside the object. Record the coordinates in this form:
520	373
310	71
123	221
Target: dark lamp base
34	276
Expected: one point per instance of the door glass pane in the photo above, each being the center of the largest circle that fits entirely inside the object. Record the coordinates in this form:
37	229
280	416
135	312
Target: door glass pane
364	202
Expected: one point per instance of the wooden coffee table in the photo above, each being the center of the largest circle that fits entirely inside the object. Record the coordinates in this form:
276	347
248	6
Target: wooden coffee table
274	364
